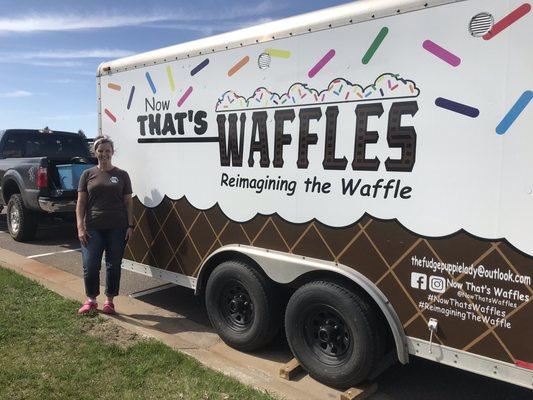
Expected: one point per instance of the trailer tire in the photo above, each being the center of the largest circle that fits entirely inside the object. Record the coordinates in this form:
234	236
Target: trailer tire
21	222
333	333
243	306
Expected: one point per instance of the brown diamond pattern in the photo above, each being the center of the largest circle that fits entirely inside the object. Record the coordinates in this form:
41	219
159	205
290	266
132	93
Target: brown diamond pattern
178	237
270	238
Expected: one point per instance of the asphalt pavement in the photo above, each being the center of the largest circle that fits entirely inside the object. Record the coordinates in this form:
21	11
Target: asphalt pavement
56	245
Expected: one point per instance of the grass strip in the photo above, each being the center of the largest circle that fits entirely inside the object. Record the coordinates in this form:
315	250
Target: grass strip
46	353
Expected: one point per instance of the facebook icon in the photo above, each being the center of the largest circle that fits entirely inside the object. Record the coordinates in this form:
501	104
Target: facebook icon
419	281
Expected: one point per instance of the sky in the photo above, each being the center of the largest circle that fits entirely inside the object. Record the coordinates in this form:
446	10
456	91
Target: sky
50	50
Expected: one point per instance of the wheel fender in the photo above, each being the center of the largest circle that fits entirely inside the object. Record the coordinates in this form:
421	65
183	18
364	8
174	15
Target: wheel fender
12	177
284	268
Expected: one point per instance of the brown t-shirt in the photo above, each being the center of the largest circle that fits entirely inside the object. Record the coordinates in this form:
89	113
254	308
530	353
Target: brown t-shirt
105	197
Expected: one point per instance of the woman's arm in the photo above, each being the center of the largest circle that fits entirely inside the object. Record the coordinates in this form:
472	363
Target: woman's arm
128	203
81	204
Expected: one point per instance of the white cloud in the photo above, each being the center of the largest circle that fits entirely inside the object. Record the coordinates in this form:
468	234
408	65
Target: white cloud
72	22
58	64
69	22
61	58
68	54
208	29
68	117
16	93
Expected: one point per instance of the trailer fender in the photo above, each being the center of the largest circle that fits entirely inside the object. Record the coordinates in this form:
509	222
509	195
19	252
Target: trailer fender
285	268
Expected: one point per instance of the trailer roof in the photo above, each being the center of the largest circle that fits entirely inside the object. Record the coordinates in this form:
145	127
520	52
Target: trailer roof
351	13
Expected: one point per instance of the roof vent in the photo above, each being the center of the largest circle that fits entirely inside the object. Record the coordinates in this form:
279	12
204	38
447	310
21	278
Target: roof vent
264	60
480	24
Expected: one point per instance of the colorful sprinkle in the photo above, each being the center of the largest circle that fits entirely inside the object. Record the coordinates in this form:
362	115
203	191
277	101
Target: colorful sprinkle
242	62
514	112
508	20
151	83
170	79
319	65
184	97
110	115
441	53
347	94
199	67
375	44
411	88
359	95
368	94
457	107
113	86
381	91
131	96
278	53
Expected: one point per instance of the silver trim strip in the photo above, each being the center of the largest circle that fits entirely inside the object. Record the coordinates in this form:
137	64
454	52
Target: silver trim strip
173	277
328	18
471	362
99	100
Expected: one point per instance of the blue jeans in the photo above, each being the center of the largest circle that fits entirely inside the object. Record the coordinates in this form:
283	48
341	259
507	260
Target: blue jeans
113	242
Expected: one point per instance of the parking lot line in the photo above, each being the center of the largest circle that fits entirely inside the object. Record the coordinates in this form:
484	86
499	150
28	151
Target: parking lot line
55	252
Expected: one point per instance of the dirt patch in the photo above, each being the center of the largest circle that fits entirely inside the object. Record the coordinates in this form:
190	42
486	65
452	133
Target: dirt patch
112	333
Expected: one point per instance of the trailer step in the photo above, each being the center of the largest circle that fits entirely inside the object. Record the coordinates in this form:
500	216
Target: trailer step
289	370
360	392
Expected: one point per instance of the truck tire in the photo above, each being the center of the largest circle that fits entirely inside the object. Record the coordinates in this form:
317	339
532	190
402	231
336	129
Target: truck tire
21	222
333	333
243	306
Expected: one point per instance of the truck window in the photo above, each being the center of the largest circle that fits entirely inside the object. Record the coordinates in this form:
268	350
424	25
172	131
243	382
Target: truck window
12	148
30	144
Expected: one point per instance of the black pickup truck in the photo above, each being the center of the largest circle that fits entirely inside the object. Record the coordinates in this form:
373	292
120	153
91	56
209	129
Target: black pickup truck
39	170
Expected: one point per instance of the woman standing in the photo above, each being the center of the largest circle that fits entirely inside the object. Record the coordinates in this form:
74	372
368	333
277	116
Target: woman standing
105	223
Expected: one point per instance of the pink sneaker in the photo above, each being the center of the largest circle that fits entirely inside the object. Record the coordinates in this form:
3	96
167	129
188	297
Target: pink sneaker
109	308
88	306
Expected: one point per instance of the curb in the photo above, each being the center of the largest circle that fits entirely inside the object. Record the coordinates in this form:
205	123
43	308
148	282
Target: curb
178	333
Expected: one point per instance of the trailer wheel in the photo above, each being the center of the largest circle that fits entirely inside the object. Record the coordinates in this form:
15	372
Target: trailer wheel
333	333
243	306
21	222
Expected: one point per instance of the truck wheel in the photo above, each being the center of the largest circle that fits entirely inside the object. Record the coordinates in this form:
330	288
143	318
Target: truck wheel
21	222
333	333
243	306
